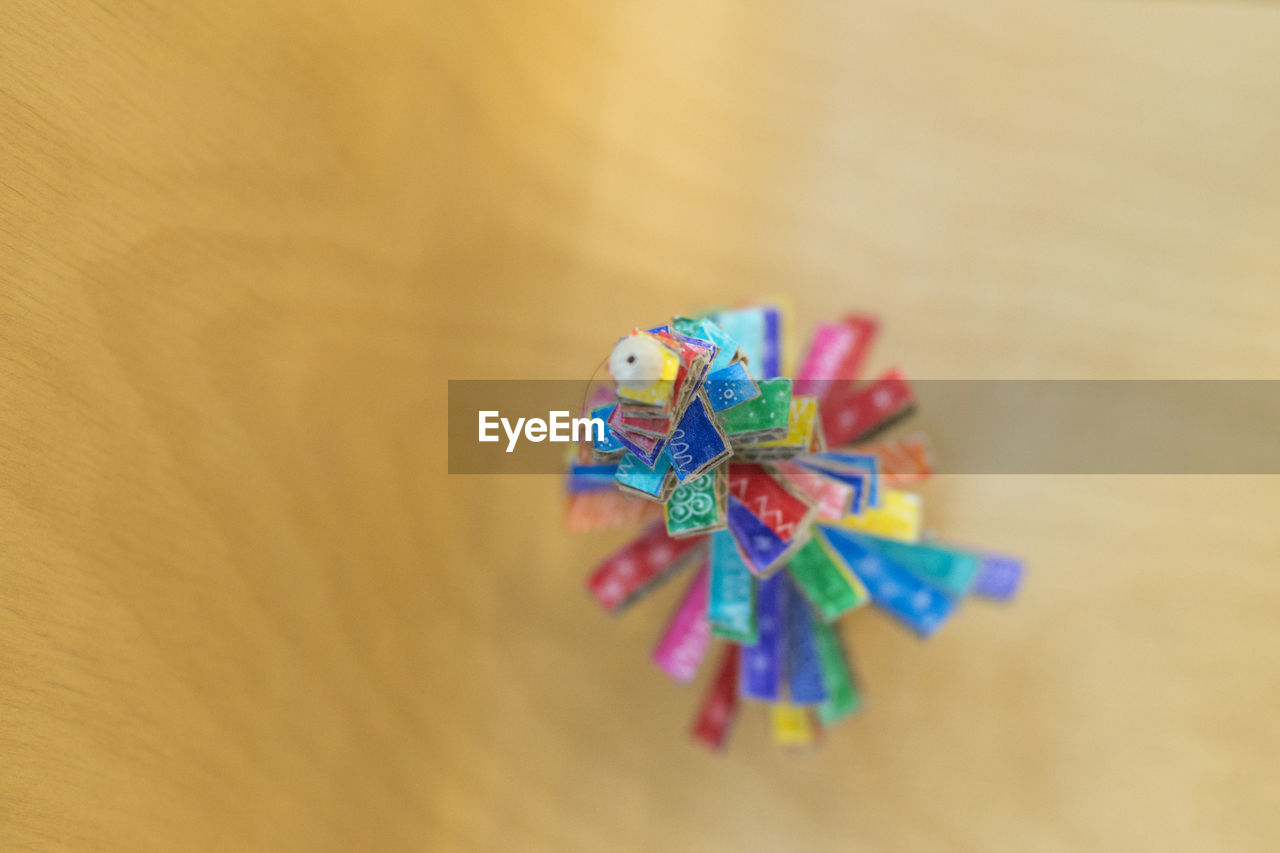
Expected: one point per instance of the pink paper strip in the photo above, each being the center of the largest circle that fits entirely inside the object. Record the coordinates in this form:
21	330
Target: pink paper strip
836	354
686	639
832	497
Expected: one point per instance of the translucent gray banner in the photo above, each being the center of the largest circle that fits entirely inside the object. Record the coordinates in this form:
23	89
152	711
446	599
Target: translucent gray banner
973	426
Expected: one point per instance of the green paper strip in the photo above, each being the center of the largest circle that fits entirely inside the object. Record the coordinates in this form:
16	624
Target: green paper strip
771	410
831	589
843	696
693	506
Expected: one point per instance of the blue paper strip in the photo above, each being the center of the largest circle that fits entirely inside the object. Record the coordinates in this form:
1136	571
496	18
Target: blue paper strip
610	443
648	457
728	346
591	478
730	386
860	483
804	669
918	605
868	462
632	472
695	442
762	661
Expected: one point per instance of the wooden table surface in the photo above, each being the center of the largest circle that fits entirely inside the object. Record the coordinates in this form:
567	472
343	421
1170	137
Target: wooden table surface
243	246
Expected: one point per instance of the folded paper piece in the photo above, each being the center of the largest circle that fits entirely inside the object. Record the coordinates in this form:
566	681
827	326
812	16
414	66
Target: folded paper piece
789	497
731	386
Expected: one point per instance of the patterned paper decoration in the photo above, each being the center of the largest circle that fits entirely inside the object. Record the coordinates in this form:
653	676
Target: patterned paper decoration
736	469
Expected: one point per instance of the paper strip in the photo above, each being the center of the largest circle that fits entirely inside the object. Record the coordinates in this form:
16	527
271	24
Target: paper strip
852	413
843	696
898	517
902	460
627	574
720	705
610	443
643	479
791	725
761	547
697	443
732	592
768	413
832	498
762	661
804	671
949	569
685	641
730	386
607	509
590	478
698	506
836	353
828	586
999	576
768	500
842	464
918	605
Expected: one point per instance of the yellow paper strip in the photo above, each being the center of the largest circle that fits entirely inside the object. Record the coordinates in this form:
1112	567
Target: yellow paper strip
791	724
898	517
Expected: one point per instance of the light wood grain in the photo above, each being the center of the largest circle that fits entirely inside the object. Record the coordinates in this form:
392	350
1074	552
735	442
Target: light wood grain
243	246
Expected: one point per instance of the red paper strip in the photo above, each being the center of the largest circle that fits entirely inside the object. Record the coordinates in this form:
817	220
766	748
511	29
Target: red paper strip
768	501
855	412
720	705
644	423
645	442
628	573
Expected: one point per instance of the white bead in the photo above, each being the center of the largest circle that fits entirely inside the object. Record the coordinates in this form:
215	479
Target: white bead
636	362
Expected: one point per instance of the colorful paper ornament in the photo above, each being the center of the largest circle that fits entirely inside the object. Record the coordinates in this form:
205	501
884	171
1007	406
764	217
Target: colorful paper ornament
776	492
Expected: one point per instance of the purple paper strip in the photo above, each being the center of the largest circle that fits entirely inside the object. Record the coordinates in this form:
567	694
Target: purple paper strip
762	662
771	356
760	545
999	577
